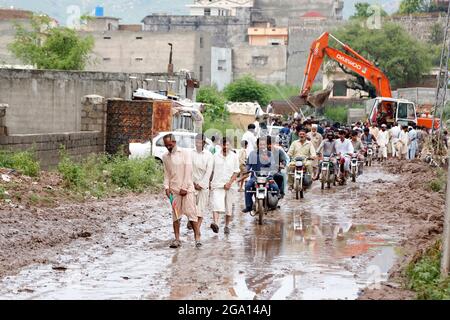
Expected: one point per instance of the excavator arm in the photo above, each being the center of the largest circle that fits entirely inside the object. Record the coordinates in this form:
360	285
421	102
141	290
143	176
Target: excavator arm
351	60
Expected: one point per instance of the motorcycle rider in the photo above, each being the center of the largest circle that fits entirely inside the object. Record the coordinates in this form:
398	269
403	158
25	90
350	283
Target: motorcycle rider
281	160
326	149
301	148
344	149
367	139
357	149
260	160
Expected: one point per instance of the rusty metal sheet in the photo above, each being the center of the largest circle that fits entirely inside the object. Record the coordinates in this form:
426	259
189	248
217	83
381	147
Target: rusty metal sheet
162	116
127	121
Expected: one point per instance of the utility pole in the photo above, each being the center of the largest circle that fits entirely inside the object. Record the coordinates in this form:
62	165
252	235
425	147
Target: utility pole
441	90
445	263
441	93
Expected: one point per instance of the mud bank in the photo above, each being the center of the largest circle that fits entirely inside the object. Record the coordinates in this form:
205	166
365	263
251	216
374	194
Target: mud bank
414	210
33	235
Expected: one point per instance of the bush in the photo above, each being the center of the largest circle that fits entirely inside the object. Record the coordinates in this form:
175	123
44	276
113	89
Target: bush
72	173
247	89
214	101
100	175
424	276
23	162
438	184
136	174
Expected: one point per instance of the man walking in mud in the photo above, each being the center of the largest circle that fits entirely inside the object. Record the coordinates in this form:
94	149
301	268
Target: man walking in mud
179	187
226	171
202	166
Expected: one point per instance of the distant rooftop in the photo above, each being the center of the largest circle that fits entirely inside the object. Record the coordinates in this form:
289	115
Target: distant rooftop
313	14
8	13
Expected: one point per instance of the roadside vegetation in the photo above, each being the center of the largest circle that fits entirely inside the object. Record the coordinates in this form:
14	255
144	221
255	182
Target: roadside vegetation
23	183
424	277
102	175
439	182
23	162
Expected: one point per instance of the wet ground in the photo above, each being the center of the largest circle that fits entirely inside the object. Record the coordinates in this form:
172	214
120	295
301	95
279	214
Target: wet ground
315	248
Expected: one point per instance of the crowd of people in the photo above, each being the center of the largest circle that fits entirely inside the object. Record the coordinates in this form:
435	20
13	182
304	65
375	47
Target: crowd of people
204	178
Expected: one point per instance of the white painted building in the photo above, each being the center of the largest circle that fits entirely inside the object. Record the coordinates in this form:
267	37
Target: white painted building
218	7
221	67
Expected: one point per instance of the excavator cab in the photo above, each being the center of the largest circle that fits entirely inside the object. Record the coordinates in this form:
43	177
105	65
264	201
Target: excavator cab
389	111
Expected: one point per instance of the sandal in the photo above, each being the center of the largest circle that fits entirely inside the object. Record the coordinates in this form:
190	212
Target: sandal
175	244
198	244
215	227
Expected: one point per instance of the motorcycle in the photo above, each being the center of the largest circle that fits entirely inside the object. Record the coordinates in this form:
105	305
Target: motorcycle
369	154
266	200
302	179
340	177
327	174
354	167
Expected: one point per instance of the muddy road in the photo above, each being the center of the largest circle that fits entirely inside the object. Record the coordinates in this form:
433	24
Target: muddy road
316	248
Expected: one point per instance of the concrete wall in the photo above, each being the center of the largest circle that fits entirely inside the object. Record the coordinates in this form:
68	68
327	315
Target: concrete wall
266	64
50	101
419	26
301	36
418	95
46	146
284	11
225	31
127	51
221	67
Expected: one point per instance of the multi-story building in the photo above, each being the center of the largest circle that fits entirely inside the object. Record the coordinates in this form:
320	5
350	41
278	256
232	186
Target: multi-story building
267	36
217	7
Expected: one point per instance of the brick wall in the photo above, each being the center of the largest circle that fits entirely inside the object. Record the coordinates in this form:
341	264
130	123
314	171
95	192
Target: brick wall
46	146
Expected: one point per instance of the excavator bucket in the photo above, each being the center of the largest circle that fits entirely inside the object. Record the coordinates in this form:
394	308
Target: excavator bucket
319	98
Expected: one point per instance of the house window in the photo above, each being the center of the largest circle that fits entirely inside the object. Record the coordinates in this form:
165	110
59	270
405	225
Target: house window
139	59
275	42
340	89
201	42
107	38
106	59
201	73
260	60
207	11
138	38
222	65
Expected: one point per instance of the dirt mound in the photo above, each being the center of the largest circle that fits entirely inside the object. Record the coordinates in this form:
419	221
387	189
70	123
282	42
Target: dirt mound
411	203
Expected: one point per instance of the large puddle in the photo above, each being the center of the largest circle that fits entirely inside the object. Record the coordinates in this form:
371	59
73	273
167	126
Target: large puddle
310	249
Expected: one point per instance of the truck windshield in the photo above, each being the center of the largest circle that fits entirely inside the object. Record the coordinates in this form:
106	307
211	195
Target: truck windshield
406	111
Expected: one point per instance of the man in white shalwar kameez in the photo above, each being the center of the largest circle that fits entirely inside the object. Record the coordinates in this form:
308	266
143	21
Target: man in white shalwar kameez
202	167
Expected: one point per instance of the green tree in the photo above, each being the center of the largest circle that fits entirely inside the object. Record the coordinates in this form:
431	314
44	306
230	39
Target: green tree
400	56
366	10
247	89
417	6
215	103
437	34
45	47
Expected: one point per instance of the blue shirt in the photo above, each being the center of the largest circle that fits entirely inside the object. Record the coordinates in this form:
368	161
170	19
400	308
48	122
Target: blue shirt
255	162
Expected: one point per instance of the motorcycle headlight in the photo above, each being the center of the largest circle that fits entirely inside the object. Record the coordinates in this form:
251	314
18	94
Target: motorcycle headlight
299	164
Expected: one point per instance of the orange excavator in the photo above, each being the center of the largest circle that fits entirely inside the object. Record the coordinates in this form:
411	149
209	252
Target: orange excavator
384	108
